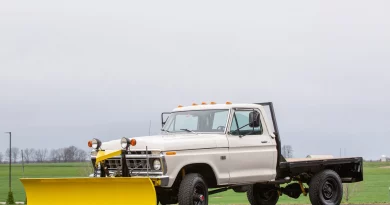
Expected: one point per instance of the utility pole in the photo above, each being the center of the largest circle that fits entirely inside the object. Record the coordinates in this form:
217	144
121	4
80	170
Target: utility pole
340	152
10	135
22	163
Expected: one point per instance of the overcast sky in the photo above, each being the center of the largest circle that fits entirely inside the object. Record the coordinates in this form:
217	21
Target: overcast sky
74	70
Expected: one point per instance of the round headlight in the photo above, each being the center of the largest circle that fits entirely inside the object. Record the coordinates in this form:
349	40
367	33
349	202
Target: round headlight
96	143
125	143
156	164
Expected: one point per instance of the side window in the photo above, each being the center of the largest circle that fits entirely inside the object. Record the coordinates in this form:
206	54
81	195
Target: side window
242	119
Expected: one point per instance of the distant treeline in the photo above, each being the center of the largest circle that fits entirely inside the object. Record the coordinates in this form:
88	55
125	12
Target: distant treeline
31	155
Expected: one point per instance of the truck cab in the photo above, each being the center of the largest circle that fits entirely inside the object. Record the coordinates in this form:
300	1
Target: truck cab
225	134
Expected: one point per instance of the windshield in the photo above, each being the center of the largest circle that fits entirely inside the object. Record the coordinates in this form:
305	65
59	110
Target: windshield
197	121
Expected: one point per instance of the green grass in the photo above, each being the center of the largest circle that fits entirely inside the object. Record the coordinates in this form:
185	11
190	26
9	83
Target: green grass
374	188
37	171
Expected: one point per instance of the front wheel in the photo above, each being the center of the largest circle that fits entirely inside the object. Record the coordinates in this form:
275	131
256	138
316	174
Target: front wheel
193	190
260	194
326	188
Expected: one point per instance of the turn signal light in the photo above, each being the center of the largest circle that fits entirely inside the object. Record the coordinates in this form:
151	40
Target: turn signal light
194	104
179	106
228	103
213	103
170	153
133	142
204	103
90	143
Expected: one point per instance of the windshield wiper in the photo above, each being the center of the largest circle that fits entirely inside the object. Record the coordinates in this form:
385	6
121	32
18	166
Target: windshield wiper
187	130
165	130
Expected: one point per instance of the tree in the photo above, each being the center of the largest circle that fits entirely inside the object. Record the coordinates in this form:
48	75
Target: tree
40	155
61	154
287	151
81	155
1	157
55	155
70	153
29	155
14	154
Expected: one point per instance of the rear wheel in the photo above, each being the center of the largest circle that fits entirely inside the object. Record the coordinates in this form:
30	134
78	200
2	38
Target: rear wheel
260	194
326	188
193	190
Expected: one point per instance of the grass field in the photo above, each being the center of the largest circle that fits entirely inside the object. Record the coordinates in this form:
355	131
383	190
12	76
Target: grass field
374	188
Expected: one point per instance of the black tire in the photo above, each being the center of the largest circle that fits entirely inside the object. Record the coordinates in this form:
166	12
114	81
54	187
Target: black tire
161	203
193	190
326	188
260	194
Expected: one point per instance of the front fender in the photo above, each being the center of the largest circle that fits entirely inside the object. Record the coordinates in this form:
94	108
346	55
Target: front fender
211	157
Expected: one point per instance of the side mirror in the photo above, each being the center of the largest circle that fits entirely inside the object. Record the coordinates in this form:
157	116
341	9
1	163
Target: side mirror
254	119
164	118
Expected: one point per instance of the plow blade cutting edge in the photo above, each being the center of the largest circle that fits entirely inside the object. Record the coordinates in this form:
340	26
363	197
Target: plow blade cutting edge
90	191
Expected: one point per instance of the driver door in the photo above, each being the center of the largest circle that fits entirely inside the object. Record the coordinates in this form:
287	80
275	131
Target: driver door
252	151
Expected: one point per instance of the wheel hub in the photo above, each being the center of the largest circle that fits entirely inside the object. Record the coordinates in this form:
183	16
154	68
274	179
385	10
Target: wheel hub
327	190
198	197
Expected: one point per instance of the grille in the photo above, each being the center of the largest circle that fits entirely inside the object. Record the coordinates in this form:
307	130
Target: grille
132	164
139	152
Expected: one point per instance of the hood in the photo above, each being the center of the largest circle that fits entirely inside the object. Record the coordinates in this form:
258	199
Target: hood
153	143
169	142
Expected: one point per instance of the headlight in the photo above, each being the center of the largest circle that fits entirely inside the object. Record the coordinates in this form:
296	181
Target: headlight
156	164
96	143
125	143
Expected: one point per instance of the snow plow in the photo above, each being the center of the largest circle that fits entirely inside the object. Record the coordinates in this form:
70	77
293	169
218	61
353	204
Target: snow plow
109	190
86	191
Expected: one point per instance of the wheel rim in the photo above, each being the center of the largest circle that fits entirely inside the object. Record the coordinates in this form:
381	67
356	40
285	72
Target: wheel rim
268	195
330	189
199	197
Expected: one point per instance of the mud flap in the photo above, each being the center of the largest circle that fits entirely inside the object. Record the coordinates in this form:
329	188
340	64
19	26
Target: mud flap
90	191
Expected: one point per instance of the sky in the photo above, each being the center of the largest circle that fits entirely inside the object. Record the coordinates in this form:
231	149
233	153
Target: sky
74	70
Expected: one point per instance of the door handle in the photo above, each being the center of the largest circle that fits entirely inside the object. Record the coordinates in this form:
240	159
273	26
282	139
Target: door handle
264	141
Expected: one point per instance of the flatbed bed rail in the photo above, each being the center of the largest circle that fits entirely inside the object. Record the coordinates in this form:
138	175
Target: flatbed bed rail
349	169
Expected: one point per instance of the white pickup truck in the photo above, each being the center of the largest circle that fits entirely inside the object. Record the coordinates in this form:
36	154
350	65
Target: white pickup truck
220	147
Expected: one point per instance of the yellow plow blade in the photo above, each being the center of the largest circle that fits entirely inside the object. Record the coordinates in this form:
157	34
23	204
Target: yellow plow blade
90	191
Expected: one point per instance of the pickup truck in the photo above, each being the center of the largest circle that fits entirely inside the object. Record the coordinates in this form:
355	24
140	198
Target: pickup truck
207	148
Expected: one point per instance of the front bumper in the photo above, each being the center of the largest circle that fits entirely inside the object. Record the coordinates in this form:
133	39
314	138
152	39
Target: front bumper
121	163
162	181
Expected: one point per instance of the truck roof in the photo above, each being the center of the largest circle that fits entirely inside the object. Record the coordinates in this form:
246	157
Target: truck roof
216	107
